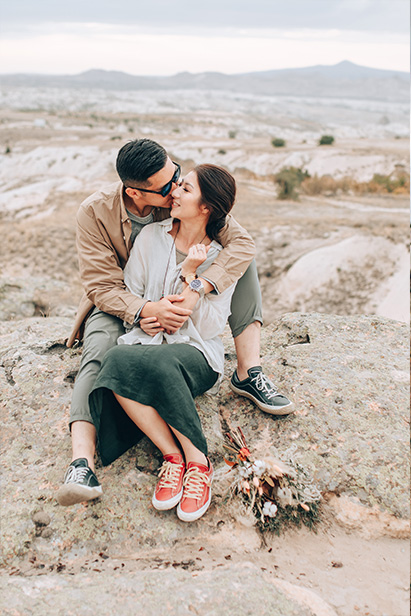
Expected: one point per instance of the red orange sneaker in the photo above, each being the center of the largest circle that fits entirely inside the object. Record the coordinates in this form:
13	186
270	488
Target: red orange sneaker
169	489
197	491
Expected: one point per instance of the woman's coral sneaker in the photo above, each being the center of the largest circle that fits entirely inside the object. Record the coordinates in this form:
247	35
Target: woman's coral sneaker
169	489
196	492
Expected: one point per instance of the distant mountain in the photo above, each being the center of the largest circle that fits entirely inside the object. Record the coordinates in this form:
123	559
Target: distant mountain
343	80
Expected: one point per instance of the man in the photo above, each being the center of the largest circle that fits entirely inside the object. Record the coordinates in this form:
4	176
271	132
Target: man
107	224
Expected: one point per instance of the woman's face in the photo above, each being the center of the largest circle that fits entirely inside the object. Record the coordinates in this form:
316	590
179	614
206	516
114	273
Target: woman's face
186	203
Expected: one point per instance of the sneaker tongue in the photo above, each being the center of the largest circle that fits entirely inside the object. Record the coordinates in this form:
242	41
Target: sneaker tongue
175	458
201	467
79	462
254	370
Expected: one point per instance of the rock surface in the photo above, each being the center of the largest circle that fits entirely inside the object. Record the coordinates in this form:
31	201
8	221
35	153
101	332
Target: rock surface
349	380
242	590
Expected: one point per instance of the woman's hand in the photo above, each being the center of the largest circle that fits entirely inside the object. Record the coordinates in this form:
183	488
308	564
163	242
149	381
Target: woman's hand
197	254
150	326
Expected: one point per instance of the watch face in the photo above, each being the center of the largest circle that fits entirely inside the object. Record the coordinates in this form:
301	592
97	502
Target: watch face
196	284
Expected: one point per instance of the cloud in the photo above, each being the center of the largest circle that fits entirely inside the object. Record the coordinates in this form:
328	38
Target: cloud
73	49
369	15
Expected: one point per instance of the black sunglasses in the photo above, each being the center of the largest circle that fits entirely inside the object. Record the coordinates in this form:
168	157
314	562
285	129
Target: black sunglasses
167	187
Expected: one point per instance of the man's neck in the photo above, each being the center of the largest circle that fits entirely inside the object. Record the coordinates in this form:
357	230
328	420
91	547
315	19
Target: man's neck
138	210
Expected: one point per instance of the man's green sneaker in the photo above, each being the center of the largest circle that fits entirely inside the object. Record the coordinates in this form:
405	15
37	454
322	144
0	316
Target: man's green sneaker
80	484
258	388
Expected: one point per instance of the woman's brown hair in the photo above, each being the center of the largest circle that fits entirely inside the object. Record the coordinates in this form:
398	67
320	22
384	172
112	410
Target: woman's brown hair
218	190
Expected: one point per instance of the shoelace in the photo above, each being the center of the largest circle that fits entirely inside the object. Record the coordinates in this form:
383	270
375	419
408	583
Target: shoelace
264	384
75	475
194	481
170	474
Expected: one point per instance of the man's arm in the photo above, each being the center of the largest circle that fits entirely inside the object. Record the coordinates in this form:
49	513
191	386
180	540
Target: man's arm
103	277
237	254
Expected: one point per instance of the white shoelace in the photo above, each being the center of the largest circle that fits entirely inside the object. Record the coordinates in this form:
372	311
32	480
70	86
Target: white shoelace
194	482
264	384
76	475
170	474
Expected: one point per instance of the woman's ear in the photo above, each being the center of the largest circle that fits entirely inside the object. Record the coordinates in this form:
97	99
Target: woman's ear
205	210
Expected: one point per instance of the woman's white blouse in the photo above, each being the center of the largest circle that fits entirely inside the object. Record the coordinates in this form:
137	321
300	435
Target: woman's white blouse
146	275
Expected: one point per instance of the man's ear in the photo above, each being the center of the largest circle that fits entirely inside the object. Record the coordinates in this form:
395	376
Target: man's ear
133	193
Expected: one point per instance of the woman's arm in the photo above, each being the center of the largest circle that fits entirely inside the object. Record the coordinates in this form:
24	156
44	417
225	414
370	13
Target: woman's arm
211	313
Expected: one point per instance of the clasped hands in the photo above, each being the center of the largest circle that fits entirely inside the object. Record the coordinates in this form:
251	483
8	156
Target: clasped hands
172	311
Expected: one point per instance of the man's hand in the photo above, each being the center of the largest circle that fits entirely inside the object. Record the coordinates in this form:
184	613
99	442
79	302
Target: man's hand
168	312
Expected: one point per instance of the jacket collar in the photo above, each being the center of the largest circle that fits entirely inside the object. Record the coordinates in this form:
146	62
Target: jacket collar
124	215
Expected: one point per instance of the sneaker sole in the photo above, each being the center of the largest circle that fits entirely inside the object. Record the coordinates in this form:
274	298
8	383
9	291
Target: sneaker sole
184	516
168	504
71	494
280	410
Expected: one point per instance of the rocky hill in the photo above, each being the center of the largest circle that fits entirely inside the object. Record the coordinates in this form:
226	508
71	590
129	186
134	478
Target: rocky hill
346	80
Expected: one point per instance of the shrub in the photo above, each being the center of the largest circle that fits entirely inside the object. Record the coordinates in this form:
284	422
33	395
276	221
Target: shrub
318	185
222	152
277	143
326	140
232	134
390	184
398	183
288	179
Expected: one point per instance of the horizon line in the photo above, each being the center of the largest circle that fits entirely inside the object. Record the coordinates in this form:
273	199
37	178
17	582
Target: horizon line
290	68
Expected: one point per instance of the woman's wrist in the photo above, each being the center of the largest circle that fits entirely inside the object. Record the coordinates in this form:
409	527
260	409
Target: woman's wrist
187	276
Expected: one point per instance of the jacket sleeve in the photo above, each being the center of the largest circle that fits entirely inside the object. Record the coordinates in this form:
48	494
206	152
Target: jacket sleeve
101	272
237	254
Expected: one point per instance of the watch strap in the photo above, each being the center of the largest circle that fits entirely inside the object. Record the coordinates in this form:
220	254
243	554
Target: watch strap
189	278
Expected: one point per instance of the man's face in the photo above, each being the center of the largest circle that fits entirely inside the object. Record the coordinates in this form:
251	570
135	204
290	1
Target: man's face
167	177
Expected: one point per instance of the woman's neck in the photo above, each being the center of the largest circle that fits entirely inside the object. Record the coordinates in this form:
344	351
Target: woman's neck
188	234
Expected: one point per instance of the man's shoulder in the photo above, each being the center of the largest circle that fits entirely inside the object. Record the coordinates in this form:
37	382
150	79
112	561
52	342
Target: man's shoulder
108	197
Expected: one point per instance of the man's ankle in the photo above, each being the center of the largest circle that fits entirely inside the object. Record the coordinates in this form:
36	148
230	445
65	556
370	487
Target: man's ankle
90	461
242	371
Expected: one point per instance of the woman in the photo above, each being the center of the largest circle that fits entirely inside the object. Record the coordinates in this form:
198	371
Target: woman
155	375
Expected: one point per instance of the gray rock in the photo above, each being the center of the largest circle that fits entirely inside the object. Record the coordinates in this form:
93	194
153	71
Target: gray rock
240	590
347	376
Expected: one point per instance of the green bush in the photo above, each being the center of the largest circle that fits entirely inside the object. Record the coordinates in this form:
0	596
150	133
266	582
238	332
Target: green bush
222	152
326	140
388	183
289	179
277	143
232	134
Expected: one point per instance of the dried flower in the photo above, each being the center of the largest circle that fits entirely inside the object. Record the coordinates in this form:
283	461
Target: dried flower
272	489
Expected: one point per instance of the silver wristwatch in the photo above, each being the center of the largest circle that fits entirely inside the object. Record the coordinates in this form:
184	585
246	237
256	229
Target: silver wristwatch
197	286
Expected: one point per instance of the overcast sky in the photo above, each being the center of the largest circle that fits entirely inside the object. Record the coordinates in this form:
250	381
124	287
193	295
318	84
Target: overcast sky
164	37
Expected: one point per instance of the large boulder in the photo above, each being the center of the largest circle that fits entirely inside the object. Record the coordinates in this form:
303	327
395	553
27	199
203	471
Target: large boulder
348	378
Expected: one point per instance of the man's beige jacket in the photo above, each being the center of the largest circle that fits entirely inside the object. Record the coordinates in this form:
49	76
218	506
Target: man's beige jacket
104	245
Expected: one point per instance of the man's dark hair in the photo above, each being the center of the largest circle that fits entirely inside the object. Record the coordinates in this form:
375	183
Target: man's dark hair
218	190
140	159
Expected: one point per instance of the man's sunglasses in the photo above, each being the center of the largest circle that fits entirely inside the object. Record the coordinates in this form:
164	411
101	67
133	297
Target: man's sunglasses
167	187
